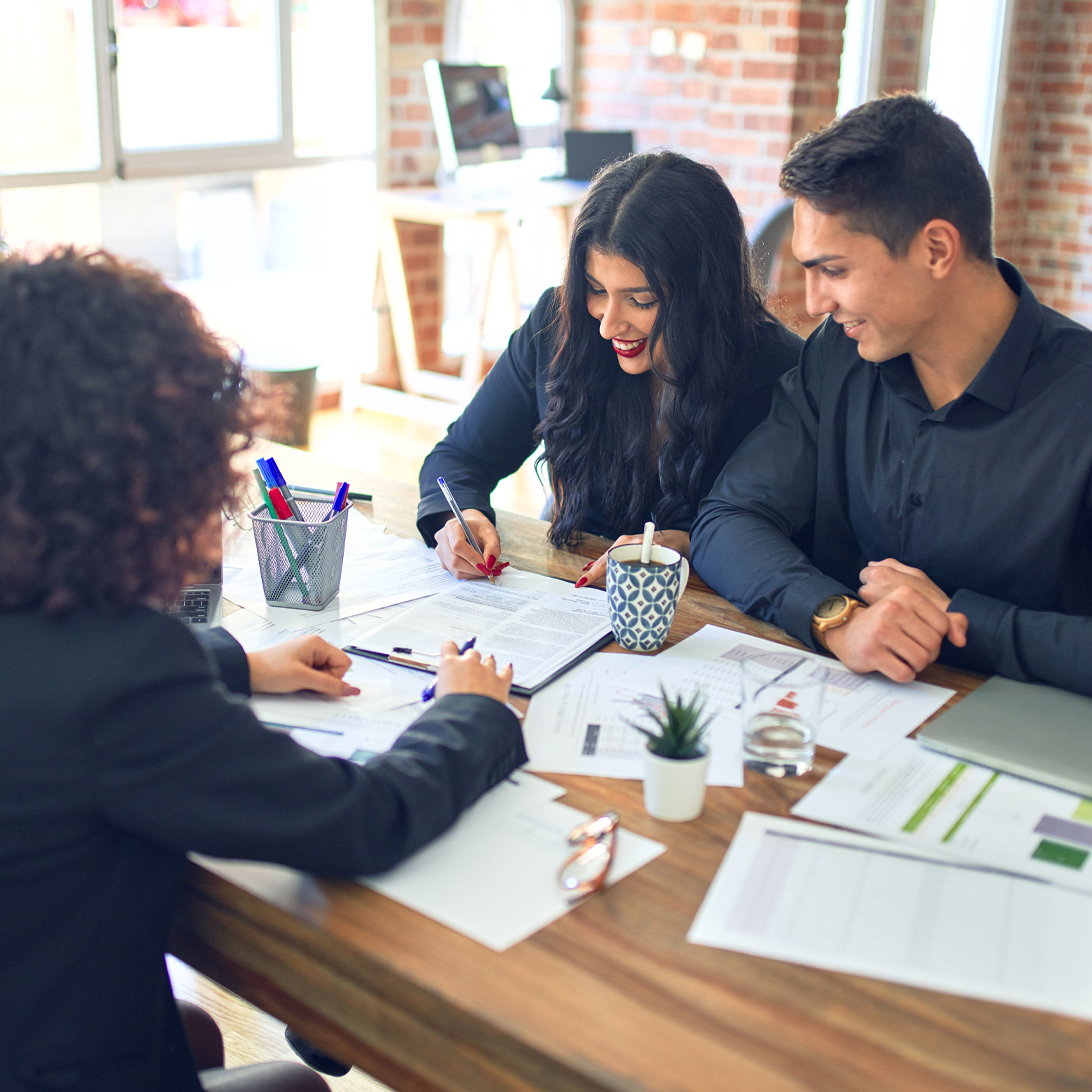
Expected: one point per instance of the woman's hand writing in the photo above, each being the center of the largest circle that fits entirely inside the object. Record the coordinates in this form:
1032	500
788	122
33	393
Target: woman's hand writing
458	556
307	663
596	570
470	674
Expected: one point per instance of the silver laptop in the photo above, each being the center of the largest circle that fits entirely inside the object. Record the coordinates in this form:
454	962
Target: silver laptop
1037	732
200	605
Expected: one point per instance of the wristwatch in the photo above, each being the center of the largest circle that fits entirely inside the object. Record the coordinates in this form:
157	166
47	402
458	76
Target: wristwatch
832	613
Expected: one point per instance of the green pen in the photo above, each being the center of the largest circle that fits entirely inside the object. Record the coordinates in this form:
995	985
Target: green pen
280	533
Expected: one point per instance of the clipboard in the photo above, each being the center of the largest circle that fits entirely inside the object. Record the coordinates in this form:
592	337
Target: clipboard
415	664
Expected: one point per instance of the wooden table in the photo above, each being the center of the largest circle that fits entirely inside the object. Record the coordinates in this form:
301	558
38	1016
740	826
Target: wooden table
611	996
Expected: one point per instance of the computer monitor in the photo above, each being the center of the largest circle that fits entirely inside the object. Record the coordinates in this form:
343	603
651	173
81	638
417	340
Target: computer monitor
472	111
586	152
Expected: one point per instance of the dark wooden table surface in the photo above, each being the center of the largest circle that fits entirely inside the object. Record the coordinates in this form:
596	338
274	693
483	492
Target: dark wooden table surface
611	996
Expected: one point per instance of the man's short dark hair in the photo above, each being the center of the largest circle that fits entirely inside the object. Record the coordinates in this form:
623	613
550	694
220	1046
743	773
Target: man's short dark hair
890	166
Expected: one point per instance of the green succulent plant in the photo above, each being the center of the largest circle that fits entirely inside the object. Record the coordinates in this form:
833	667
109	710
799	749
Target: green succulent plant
680	730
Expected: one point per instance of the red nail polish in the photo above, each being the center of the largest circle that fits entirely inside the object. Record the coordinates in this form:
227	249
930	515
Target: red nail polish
582	581
490	561
502	565
482	569
585	568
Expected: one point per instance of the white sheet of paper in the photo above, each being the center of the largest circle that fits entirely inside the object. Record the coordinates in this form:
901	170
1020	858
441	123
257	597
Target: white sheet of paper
923	798
368	723
493	876
379	570
844	902
862	714
537	624
256	632
580	724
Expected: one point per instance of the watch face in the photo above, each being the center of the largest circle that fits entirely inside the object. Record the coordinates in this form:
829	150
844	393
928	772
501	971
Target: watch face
832	607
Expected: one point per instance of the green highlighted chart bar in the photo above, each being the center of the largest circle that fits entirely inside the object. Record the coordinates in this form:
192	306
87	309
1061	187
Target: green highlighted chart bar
934	798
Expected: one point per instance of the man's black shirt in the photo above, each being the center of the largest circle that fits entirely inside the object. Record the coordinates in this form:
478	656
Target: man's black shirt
990	495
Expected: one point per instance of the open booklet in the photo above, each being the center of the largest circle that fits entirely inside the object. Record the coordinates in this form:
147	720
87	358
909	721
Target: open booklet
540	625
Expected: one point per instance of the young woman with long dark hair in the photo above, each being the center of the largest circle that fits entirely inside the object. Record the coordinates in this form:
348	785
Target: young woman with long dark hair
641	374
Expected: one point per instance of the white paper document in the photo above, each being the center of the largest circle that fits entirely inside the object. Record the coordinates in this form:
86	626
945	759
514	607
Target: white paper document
844	902
920	797
862	714
537	624
493	876
358	727
256	632
379	570
581	723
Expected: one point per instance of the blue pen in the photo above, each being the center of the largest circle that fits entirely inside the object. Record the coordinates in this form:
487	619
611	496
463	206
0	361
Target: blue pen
339	501
429	692
282	485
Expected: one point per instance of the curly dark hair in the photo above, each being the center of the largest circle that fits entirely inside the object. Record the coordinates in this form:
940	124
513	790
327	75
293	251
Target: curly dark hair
120	415
677	221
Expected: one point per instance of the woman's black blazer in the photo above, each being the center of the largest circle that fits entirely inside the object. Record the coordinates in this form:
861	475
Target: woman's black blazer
121	750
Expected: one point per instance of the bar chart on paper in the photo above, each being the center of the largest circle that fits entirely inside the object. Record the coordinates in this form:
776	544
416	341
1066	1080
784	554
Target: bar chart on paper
919	796
843	902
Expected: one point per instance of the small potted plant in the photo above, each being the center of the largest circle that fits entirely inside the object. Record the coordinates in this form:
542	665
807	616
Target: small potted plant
676	759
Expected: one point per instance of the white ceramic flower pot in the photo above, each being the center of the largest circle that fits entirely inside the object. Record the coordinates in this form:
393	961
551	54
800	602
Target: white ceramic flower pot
675	788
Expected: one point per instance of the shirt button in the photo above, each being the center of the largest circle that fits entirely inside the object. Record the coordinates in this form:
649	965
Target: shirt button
915	500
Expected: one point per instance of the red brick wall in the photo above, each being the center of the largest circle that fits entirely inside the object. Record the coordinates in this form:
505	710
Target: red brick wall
416	34
902	40
769	74
1043	188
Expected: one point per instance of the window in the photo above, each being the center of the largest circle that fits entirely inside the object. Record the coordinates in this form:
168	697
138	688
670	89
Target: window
862	46
965	83
146	88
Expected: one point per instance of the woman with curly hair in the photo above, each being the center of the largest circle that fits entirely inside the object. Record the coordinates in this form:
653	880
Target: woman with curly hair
121	748
641	374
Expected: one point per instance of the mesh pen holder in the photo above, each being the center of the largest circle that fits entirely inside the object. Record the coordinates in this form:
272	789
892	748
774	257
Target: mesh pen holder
300	561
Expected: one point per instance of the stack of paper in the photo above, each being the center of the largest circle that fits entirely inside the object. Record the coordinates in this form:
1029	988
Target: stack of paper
862	714
583	722
493	876
844	902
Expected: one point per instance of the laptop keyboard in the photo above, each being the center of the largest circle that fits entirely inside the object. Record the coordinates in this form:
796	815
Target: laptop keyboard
191	606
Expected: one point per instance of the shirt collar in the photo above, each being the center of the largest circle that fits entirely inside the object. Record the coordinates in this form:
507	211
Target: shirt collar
999	378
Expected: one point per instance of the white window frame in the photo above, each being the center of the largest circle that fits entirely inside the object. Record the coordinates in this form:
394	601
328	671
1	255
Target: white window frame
869	47
116	163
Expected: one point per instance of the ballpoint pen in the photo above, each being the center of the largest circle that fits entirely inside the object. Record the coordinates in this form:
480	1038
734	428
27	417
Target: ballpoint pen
429	692
330	492
462	523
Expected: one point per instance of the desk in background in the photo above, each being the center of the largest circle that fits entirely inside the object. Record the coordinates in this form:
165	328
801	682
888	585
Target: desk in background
611	996
435	206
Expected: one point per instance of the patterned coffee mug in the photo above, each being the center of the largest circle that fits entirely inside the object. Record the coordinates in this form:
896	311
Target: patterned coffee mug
641	599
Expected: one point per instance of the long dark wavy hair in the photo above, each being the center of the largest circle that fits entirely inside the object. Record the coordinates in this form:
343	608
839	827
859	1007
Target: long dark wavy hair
120	415
678	222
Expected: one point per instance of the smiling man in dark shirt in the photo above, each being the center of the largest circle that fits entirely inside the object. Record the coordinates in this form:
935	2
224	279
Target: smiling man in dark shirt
922	488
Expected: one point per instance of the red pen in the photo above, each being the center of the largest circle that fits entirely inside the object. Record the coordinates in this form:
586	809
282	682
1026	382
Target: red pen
279	504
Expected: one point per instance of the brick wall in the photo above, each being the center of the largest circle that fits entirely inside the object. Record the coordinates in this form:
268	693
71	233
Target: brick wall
416	34
900	60
1043	186
769	75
